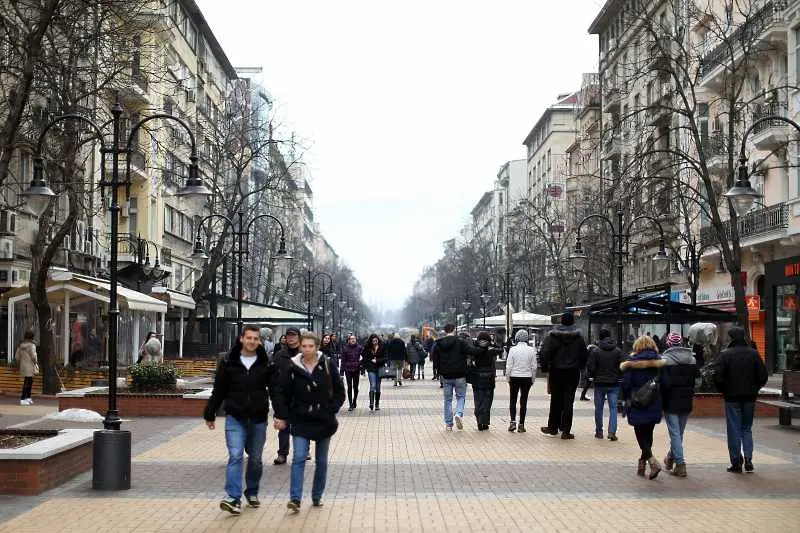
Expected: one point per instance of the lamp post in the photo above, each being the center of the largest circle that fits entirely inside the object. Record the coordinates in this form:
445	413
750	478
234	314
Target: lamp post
241	249
112	445
505	282
621	234
310	279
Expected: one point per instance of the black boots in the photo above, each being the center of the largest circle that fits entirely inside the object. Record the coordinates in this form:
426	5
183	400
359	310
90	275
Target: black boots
371	400
377	401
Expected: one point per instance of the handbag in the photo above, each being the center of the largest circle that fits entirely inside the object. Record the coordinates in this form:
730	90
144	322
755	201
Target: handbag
646	394
385	372
35	369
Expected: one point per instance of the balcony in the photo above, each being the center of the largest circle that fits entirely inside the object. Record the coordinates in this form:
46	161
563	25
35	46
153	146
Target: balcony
715	148
771	134
765	221
763	30
611	99
660	110
612	147
659	55
134	90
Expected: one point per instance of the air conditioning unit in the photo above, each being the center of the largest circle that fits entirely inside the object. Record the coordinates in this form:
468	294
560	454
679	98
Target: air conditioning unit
6	248
8	222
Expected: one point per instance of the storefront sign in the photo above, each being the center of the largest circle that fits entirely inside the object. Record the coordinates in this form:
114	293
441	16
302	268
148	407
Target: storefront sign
791	270
715	294
753	302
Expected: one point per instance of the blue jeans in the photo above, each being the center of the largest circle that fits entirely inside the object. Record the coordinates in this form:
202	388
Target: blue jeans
243	436
301	446
739	425
601	392
676	424
460	386
374	382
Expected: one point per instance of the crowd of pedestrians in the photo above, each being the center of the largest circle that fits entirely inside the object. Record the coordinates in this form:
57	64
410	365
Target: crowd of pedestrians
308	378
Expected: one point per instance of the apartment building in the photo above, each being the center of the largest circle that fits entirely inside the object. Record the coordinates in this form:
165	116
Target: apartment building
746	49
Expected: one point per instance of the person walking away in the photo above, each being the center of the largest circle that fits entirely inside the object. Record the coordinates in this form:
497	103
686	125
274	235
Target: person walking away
372	358
452	352
396	353
563	354
586	381
644	365
28	366
310	395
520	372
422	355
413	349
283	360
429	343
483	379
681	370
739	373
142	352
603	368
243	382
351	366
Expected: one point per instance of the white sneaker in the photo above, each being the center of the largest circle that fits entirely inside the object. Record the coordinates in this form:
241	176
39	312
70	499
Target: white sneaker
30	401
459	422
448	428
23	402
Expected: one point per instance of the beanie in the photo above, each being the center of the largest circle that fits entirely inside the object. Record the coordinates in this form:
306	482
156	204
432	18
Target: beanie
521	336
567	318
674	339
604	334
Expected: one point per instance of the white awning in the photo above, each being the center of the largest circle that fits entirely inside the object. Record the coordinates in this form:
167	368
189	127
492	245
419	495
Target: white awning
173	298
264	313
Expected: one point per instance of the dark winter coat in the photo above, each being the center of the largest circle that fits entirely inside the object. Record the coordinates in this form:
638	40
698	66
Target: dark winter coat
351	358
483	370
603	363
636	372
450	354
739	372
678	390
282	359
367	356
563	349
413	353
310	401
246	393
396	349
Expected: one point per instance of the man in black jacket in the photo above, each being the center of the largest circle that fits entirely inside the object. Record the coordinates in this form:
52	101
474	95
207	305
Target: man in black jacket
739	373
603	367
451	353
243	382
396	352
563	354
283	359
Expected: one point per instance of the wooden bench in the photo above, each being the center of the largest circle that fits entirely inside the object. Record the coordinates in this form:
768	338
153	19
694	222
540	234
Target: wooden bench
786	404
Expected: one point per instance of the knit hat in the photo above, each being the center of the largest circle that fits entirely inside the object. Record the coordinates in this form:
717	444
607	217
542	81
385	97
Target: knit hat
674	339
521	336
567	318
292	331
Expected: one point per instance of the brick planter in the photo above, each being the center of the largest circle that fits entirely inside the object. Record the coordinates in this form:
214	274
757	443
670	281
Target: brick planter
45	464
711	404
130	404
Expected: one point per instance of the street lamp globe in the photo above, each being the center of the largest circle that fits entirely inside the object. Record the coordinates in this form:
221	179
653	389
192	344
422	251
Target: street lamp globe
38	195
194	186
662	252
578	256
742	195
198	253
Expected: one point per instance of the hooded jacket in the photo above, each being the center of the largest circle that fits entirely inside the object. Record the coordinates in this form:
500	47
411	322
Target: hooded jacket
637	371
678	391
563	349
246	392
310	400
603	363
450	353
351	358
739	372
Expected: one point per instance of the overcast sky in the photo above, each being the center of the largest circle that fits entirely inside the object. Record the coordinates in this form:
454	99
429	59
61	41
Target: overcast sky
408	108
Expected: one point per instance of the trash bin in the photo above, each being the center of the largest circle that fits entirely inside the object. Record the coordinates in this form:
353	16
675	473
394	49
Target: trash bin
111	462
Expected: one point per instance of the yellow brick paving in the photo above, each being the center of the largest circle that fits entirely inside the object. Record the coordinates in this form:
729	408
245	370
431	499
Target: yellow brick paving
379	462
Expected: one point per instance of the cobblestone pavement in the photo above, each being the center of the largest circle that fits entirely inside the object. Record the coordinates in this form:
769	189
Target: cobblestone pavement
399	471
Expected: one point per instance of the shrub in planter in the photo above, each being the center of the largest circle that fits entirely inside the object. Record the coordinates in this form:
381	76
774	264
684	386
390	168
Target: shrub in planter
153	378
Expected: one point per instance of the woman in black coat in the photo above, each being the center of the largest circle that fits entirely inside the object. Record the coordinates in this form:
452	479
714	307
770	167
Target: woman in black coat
310	394
372	359
481	376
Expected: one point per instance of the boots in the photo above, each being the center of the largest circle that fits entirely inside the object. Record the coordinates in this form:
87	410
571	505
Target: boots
377	401
680	470
350	401
521	428
640	469
668	462
371	400
512	426
655	467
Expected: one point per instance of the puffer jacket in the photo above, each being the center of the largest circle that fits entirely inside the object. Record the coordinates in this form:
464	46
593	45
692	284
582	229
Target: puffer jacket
246	392
483	371
563	349
637	371
351	358
521	361
310	400
450	356
739	372
412	353
603	363
678	391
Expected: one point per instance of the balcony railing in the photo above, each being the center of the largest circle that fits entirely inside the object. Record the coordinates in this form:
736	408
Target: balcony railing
744	35
759	222
774	109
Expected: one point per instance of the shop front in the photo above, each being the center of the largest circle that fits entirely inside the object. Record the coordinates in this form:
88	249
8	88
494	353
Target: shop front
782	309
